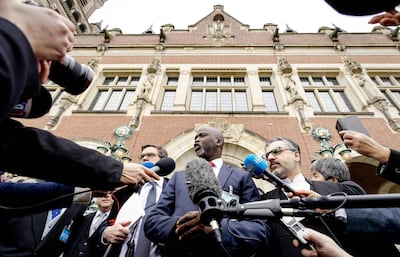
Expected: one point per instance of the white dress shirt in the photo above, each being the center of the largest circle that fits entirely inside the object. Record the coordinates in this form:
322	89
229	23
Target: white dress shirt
143	198
99	217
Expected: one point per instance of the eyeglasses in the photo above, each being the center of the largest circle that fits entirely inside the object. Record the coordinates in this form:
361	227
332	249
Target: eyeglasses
277	151
147	155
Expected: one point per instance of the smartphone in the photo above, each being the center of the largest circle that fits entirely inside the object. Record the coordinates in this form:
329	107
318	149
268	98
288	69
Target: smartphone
294	227
351	123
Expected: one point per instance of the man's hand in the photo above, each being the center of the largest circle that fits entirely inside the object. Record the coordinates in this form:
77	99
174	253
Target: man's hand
390	18
50	34
116	233
325	246
189	226
134	174
365	145
303	193
44	70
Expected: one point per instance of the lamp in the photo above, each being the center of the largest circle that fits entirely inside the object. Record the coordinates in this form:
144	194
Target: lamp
339	151
117	150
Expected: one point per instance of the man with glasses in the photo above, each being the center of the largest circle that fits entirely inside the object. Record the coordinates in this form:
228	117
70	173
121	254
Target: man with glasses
284	160
152	153
127	242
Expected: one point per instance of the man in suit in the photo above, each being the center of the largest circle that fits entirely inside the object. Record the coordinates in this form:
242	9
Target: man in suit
175	222
85	237
38	234
284	160
131	240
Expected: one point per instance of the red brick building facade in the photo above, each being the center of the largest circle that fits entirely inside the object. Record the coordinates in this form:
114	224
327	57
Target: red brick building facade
254	84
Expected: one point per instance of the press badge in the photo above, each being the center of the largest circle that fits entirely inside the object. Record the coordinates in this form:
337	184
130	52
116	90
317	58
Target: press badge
230	197
65	233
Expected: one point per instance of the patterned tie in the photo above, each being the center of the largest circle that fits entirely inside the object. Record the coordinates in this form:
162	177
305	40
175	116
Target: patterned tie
143	249
94	226
55	213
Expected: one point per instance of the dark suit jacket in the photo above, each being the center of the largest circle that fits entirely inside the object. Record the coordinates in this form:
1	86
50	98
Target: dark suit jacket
372	231
175	202
281	241
80	244
122	196
21	236
33	194
391	169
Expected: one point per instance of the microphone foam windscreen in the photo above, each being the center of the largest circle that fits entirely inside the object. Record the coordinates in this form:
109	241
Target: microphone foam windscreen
255	165
201	180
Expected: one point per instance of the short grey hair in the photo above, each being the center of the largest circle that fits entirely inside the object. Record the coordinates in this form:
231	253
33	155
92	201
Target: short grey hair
331	168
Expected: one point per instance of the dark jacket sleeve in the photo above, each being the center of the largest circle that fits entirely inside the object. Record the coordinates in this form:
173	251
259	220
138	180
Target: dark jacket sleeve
45	156
362	8
27	198
391	169
56	159
19	77
328	187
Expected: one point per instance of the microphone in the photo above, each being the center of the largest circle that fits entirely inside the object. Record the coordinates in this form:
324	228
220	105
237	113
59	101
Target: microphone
163	167
345	201
34	107
204	191
148	164
266	208
71	75
258	167
305	206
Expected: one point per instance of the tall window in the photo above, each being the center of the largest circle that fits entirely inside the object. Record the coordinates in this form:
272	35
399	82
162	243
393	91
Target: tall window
169	94
268	94
225	93
116	93
390	87
325	94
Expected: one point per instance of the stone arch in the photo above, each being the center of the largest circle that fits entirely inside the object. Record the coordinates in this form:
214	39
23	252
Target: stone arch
237	146
363	172
180	148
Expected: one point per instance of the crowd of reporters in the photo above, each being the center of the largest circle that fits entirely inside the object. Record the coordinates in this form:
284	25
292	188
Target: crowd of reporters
28	50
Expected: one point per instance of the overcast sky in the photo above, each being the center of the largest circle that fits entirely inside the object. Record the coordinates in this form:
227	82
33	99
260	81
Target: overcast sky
134	17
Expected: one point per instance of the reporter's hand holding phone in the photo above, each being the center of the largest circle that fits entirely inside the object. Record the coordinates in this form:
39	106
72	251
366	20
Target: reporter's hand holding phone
324	245
365	145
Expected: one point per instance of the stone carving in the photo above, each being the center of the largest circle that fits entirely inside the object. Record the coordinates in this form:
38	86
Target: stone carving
231	132
289	84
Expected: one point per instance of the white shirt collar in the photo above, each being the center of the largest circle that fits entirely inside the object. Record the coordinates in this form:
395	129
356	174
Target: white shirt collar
218	163
299	182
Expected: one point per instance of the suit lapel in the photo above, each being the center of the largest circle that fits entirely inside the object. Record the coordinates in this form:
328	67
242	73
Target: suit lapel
38	224
224	175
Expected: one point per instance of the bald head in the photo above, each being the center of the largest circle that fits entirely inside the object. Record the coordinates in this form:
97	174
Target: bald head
208	143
